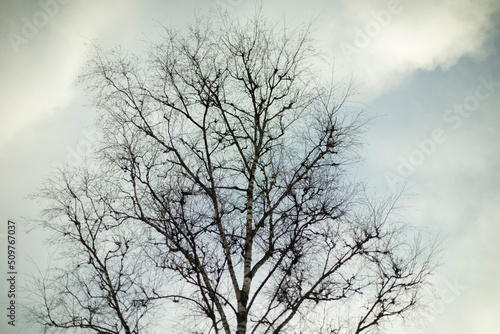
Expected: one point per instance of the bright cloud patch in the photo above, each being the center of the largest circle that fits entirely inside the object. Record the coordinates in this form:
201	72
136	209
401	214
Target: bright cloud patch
391	39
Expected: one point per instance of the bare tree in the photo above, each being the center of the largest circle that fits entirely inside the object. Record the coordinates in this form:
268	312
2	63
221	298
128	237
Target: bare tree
220	187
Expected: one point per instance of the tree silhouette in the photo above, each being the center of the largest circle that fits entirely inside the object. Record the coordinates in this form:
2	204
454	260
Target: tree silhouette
218	194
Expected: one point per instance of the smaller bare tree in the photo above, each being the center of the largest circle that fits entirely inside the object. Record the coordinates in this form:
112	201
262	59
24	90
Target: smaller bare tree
104	283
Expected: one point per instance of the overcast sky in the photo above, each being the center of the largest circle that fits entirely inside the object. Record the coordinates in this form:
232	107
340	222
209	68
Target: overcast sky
429	71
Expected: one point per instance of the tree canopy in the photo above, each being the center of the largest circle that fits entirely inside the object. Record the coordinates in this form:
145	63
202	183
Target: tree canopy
218	196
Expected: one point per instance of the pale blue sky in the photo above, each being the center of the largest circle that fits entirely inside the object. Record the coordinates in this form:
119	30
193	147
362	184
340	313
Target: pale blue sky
412	61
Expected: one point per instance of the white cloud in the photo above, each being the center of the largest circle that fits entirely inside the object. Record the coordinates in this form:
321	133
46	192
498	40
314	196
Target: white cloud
39	79
390	40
